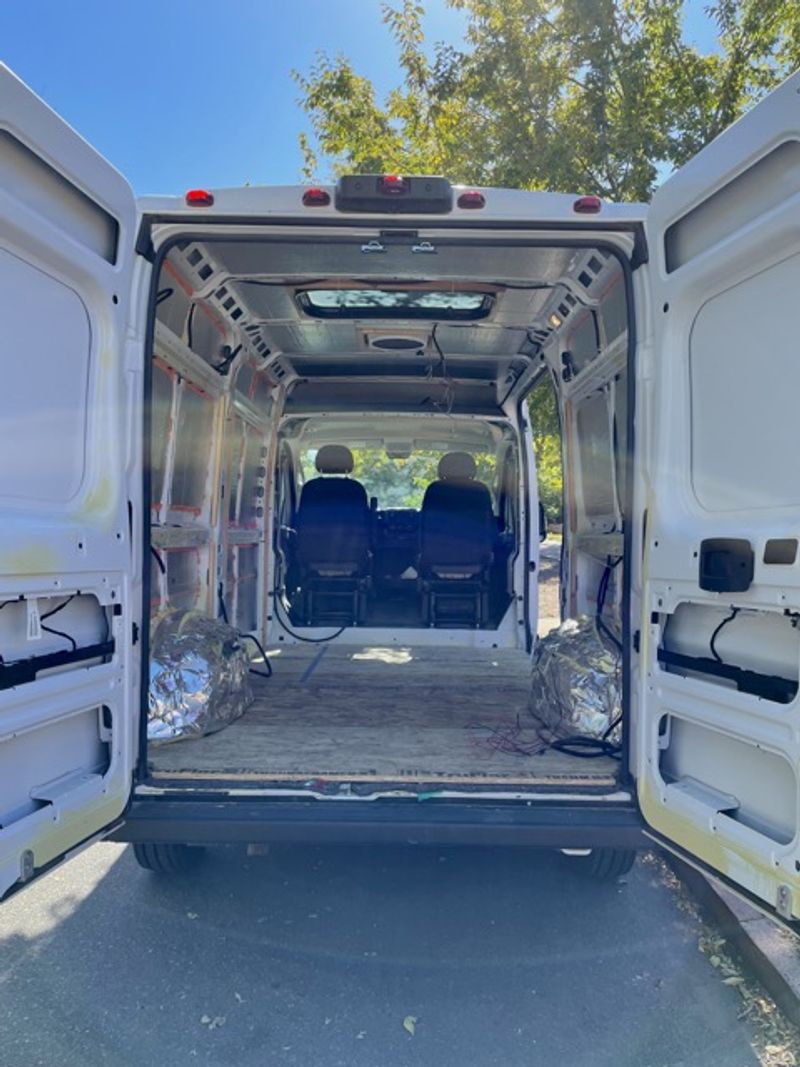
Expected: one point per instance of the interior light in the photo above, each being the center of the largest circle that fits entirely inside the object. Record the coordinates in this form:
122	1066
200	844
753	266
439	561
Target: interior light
199	198
555	320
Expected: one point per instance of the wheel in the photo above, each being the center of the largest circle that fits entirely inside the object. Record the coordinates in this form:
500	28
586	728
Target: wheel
166	858
605	864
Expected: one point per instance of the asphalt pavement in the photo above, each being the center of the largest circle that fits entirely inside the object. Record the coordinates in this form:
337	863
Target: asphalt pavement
360	957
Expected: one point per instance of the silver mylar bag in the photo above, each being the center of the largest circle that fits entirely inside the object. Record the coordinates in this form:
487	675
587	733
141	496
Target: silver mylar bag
199	680
576	682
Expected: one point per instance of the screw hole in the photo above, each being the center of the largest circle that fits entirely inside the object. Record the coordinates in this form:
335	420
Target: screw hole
115	299
666	308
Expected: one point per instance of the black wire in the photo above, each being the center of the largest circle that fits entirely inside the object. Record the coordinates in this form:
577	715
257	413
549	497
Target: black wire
60	633
712	642
55	611
299	637
602	591
586	747
261	674
189	320
267	673
222	607
225	365
157	556
612	726
437	346
444	374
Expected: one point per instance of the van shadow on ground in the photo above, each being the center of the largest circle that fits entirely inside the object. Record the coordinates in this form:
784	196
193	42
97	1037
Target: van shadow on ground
316	955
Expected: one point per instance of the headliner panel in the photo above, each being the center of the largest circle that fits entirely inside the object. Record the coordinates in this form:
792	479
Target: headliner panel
267	274
341	257
458	366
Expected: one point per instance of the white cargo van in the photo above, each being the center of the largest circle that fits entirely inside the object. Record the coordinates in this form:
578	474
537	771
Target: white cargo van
175	369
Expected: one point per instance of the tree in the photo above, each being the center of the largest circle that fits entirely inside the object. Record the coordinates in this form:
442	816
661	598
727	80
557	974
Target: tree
592	96
546	432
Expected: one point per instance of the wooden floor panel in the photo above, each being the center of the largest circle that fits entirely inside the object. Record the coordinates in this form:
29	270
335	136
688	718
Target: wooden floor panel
342	713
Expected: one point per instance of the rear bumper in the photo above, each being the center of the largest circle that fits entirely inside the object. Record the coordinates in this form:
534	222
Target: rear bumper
545	824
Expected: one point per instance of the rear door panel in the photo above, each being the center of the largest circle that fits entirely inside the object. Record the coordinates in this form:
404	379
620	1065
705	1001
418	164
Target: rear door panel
719	384
69	474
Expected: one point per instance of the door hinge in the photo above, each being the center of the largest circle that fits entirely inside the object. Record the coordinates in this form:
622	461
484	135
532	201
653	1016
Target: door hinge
637	641
134	633
783	904
26	865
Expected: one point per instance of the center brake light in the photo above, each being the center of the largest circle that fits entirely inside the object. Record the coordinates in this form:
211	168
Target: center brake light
395	193
316	197
393	184
199	198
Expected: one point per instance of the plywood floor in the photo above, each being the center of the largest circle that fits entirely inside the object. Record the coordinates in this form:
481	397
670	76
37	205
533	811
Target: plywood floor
337	713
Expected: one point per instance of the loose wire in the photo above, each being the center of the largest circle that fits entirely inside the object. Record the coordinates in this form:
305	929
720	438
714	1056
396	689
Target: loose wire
713	641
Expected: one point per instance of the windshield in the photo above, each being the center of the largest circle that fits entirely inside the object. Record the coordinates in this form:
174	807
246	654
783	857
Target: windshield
400	482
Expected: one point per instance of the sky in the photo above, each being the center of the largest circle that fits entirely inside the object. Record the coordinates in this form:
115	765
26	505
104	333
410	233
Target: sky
179	94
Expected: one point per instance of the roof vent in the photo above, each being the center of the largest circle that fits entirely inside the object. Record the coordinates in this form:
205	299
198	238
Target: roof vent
408	341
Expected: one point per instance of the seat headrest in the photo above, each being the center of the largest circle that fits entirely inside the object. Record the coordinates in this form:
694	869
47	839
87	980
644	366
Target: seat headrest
457	466
334	459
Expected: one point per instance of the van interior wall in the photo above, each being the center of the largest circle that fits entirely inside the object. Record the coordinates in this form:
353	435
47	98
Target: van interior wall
241	372
210	438
587	360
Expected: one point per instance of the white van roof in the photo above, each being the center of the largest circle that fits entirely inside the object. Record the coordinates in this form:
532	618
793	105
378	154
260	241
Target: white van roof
500	205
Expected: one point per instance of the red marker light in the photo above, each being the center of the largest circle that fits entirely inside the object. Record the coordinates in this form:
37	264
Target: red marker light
316	197
393	184
587	205
471	199
199	198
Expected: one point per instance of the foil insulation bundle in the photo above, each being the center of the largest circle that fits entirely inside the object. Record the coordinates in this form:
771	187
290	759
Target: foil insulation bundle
199	677
576	682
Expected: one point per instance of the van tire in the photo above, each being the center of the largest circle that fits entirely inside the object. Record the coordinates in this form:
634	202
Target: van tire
166	858
606	864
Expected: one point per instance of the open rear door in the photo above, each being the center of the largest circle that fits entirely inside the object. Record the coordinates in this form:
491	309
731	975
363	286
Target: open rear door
69	591
718	413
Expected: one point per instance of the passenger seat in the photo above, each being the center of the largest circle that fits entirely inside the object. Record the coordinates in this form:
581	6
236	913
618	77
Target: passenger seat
333	541
457	534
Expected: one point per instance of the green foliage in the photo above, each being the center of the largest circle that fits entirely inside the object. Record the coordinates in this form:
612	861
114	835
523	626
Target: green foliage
595	96
401	483
585	95
546	430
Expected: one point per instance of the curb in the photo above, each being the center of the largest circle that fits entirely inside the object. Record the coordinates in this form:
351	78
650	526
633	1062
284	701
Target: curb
771	953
